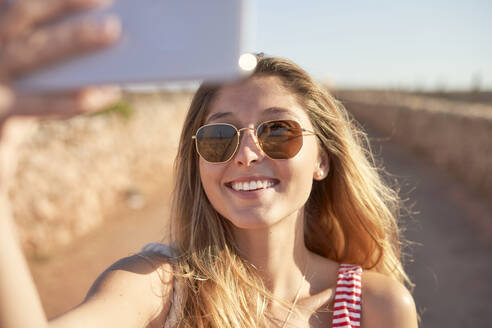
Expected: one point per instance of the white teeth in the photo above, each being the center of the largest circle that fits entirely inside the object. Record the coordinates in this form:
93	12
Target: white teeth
252	185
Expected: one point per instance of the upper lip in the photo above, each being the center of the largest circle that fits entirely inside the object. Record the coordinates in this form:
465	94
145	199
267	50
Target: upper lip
251	178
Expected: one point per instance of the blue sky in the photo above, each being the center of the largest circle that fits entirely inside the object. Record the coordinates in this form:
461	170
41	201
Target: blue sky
413	44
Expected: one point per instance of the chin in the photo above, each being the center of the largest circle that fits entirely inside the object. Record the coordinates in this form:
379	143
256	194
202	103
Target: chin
250	221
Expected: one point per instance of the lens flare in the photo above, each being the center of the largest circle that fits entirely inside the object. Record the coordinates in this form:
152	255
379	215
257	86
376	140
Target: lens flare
247	62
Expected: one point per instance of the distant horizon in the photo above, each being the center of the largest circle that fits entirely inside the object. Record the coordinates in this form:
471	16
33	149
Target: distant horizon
193	85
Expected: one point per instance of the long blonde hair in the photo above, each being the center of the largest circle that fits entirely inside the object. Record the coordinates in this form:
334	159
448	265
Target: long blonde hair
350	216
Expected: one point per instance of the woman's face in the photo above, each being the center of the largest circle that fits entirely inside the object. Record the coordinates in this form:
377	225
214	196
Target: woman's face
289	181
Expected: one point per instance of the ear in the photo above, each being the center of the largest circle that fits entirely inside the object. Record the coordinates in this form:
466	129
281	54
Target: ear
322	166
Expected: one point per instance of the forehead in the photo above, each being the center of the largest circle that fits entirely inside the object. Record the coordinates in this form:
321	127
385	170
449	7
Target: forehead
252	98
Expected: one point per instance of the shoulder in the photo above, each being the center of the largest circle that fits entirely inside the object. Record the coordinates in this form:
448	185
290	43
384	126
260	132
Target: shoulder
150	267
144	268
386	302
141	283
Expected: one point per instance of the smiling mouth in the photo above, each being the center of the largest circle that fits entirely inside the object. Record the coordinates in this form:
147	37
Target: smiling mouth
252	185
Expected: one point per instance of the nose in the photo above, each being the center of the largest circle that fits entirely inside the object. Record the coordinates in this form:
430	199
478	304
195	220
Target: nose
249	150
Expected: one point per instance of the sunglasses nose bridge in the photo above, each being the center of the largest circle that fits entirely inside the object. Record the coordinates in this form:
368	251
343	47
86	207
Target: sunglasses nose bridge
253	135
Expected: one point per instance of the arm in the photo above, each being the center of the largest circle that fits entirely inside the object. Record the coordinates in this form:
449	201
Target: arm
20	52
386	303
130	293
18	295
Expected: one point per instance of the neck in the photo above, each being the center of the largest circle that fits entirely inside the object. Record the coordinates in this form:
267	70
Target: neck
279	254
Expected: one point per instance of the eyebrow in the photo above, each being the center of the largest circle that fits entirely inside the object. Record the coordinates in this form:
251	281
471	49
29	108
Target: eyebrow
277	110
219	115
268	111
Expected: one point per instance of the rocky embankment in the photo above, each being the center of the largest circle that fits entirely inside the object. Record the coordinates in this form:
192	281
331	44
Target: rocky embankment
455	135
74	173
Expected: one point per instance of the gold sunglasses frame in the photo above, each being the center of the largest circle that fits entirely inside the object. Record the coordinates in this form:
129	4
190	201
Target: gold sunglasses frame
257	142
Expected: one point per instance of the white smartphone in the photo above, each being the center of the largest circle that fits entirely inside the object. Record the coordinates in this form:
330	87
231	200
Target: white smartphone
162	40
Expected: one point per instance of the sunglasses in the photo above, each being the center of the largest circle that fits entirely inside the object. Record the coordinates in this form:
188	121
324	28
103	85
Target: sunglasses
279	139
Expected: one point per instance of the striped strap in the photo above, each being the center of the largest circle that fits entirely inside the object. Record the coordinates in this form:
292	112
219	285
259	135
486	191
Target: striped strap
346	308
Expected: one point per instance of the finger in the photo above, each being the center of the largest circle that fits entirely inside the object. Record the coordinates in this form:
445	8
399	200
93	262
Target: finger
64	105
22	15
51	44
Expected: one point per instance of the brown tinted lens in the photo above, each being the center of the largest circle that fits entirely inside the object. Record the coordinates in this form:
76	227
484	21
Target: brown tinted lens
216	142
280	139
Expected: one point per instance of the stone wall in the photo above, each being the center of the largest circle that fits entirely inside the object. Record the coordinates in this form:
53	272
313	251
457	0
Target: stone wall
456	136
73	173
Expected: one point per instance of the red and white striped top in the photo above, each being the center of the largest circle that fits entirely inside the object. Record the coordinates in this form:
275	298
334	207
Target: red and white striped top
346	309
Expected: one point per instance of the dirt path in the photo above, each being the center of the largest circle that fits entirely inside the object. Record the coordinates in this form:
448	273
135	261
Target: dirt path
452	229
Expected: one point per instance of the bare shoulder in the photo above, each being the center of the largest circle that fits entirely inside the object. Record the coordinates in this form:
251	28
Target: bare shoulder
386	302
140	273
135	291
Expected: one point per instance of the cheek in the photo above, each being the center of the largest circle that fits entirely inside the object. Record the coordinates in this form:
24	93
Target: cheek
204	175
308	158
303	185
297	172
210	178
300	177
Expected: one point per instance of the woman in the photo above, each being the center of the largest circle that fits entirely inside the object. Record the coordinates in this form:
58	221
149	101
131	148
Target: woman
262	218
279	220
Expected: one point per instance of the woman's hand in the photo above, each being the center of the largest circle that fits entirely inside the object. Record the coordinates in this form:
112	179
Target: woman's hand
28	41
